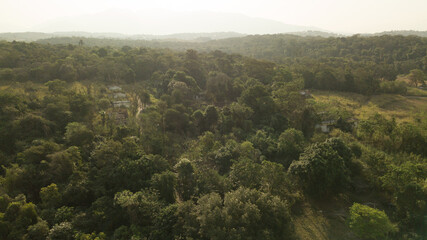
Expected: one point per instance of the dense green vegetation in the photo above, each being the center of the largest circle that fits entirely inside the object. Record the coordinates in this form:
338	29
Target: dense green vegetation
206	145
365	65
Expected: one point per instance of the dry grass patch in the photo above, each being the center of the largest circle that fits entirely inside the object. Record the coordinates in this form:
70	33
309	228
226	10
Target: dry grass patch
402	108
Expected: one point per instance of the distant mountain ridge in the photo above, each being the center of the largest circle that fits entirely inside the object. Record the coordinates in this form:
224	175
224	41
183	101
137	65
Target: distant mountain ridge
197	37
400	32
35	36
165	23
192	37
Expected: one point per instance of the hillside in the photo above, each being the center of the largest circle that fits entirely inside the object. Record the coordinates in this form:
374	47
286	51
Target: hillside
402	108
276	47
35	36
130	142
401	33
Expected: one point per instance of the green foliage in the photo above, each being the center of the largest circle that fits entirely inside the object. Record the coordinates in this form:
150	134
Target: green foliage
290	145
243	214
393	87
62	164
165	183
141	207
369	223
220	88
165	223
31	127
246	173
259	100
390	136
64	214
405	179
78	134
38	231
91	236
185	179
214	145
106	153
56	86
62	231
81	107
416	76
20	220
265	143
50	196
323	167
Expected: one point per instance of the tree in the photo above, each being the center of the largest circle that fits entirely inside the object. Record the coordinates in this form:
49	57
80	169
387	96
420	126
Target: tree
50	196
211	117
416	76
62	231
81	107
67	71
282	75
406	181
57	111
165	183
243	214
17	218
38	231
56	86
141	206
240	115
259	100
198	119
194	67
165	224
185	181
102	52
31	127
224	156
77	134
369	223
323	167
289	146
265	143
176	120
106	153
327	80
219	88
261	70
62	164
245	173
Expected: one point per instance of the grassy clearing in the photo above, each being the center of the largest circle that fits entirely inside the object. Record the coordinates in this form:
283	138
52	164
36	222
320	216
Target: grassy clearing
402	108
322	224
412	91
416	92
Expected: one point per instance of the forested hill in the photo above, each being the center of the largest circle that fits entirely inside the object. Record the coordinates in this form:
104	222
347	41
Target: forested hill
34	36
143	143
356	64
402	33
275	47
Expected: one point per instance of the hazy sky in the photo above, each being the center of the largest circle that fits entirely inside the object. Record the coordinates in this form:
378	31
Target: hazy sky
350	16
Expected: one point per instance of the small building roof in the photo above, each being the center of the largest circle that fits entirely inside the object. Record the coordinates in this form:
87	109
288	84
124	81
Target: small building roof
114	88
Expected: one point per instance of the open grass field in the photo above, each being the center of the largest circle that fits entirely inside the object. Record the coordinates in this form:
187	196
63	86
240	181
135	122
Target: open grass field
314	223
402	108
416	92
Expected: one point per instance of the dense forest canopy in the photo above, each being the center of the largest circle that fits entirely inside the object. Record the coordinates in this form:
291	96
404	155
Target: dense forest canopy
356	63
110	139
